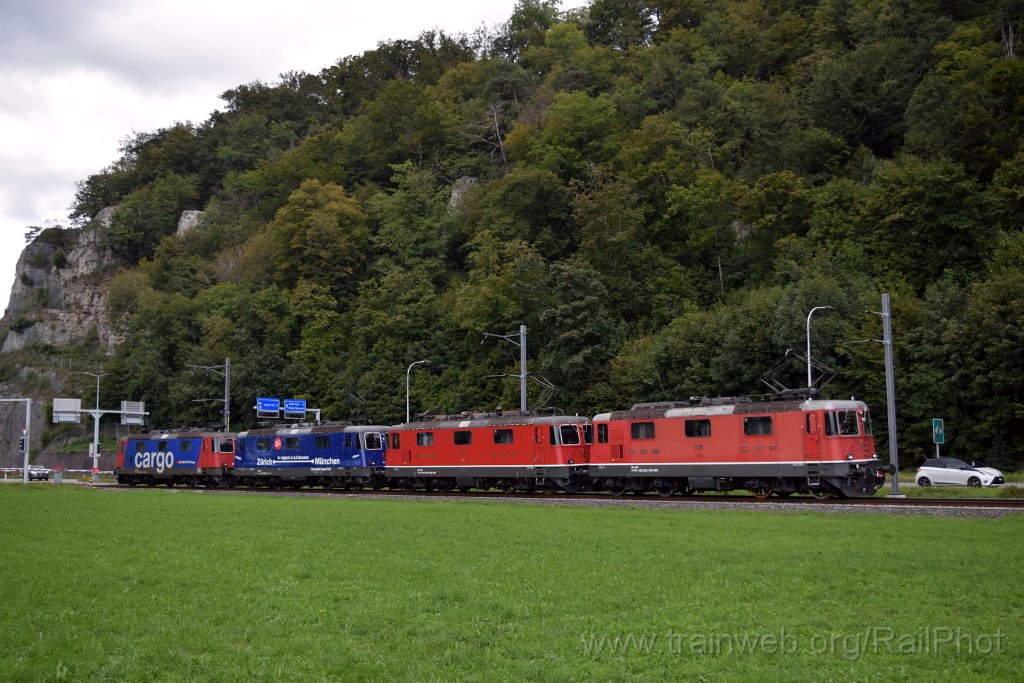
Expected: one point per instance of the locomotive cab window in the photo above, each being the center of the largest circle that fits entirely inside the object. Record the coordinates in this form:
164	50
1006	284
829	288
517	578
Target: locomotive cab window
463	438
291	442
503	436
224	445
372	441
757	426
396	440
424	438
323	441
140	446
698	427
186	446
642	430
161	446
841	423
348	440
570	435
263	444
588	433
866	417
602	433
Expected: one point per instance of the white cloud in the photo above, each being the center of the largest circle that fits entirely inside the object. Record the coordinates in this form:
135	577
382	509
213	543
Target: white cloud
77	78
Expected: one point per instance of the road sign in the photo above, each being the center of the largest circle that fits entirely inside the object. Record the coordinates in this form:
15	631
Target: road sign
133	412
938	431
268	407
67	410
294	409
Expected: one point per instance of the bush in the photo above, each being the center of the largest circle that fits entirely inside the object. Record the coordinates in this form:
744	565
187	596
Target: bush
1011	491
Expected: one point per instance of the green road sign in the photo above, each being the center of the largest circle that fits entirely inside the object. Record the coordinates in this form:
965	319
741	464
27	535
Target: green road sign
938	431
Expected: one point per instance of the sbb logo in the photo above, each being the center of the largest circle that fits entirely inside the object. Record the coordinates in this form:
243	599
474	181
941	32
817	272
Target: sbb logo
158	461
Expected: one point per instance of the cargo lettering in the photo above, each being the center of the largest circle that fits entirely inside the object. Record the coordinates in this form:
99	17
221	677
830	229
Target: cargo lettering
158	461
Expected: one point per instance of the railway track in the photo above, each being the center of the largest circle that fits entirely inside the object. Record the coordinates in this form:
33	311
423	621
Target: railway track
646	500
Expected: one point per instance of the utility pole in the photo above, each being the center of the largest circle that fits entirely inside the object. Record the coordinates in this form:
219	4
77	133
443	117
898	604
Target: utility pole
225	372
26	433
890	391
510	338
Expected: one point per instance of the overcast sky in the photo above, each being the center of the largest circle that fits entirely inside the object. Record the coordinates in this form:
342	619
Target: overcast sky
79	76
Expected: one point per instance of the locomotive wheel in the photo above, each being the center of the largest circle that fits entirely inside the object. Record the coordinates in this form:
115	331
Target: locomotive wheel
408	485
665	487
761	492
442	485
820	493
616	487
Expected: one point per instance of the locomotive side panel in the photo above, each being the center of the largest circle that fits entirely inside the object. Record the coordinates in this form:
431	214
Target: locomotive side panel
521	452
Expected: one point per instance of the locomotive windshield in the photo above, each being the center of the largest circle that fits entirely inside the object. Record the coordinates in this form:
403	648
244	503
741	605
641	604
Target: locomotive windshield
842	423
570	435
372	441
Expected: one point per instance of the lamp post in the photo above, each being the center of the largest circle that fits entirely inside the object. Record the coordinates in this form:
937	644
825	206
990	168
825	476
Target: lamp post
407	371
816	308
96	413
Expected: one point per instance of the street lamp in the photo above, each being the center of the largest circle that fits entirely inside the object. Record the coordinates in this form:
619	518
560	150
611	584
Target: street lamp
816	308
407	371
96	413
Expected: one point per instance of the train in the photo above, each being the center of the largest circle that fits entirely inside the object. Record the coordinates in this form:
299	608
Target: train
780	446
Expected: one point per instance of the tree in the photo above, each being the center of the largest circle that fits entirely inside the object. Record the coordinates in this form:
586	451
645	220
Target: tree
320	235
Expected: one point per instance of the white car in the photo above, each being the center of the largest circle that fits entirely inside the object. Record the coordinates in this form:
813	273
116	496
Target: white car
953	472
38	473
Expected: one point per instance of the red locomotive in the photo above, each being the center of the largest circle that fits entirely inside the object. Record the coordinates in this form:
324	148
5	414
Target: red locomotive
783	446
508	451
171	458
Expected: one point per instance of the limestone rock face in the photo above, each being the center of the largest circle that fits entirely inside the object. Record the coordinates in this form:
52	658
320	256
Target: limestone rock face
459	189
188	221
58	296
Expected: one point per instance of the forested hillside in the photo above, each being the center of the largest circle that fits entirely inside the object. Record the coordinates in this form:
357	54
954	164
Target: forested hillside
659	190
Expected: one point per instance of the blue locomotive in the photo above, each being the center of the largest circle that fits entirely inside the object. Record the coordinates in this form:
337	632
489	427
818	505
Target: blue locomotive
328	455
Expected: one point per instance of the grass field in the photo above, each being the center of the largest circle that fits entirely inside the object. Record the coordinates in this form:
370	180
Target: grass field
179	585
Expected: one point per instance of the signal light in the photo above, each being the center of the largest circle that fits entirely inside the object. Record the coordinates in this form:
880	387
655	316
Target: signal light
21	444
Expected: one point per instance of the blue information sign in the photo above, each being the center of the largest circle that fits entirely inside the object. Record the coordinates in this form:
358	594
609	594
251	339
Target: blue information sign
268	405
294	405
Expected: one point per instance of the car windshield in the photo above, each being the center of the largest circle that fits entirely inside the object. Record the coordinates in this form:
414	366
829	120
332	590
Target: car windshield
978	463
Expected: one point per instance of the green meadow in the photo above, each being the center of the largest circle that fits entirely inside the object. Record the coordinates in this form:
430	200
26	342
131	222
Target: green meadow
183	585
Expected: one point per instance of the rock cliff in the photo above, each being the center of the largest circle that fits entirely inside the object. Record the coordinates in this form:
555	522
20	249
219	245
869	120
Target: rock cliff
58	296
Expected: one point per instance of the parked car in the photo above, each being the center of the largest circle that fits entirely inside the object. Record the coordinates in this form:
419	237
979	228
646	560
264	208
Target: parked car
38	472
953	472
